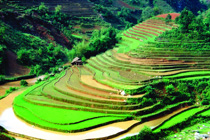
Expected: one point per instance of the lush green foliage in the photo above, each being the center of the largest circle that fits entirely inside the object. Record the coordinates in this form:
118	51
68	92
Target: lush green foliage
33	51
179	118
145	134
192	5
23	83
29	117
191	28
4	136
100	41
58	118
2	47
168	19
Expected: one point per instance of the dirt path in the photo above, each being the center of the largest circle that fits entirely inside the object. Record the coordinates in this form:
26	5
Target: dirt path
6	103
12	67
6	86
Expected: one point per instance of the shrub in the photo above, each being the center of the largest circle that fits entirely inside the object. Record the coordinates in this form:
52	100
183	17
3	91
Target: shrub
23	83
2	79
168	19
11	89
201	86
170	89
183	87
145	134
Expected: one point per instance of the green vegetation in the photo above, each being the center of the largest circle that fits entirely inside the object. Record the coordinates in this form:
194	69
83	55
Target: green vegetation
179	118
4	136
146	72
23	83
188	132
191	29
145	134
99	42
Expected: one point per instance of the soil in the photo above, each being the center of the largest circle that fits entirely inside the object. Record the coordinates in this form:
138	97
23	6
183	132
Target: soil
147	61
6	86
173	15
88	79
145	31
12	67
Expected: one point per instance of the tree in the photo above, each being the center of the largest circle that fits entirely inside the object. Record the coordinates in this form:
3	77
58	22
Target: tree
185	19
146	134
58	9
168	19
170	89
23	83
43	9
2	33
147	13
157	11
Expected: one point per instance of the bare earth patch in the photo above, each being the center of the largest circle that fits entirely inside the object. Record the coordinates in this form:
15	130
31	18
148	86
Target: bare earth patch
88	79
12	67
6	86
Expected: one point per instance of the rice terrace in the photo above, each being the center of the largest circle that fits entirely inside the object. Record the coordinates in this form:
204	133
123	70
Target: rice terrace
104	69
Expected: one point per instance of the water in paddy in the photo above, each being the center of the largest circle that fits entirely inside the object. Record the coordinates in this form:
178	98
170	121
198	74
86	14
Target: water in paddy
8	119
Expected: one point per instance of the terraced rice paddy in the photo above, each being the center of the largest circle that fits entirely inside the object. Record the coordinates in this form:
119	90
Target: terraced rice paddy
89	96
72	7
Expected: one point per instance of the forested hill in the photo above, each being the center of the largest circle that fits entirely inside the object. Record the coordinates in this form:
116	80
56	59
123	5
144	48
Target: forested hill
41	33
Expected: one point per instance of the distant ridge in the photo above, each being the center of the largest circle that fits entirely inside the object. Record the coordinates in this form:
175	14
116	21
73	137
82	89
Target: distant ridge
71	7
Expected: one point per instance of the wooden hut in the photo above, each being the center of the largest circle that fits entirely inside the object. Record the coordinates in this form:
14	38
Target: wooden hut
76	61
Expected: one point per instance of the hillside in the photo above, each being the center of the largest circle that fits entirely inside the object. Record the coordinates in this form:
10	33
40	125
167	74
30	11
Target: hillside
140	66
133	81
35	27
63	24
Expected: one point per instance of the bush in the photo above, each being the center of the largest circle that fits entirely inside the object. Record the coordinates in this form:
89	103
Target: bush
23	83
170	89
201	86
11	89
145	134
147	13
2	79
168	19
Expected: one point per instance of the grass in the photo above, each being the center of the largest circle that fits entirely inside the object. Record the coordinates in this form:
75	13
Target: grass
186	74
59	115
101	78
29	117
205	113
179	118
69	106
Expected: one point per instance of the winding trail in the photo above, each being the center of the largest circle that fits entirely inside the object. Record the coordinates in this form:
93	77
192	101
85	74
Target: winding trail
7	85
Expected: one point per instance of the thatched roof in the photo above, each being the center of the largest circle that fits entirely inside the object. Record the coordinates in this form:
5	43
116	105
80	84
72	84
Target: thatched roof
76	60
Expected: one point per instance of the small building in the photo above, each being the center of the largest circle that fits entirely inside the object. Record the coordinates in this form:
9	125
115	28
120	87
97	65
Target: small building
123	93
76	61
